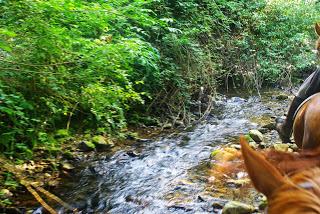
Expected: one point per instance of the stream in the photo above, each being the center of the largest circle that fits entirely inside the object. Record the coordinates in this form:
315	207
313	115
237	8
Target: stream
168	174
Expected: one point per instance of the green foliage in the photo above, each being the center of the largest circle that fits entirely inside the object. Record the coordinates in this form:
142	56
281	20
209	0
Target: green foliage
10	181
74	65
63	60
278	42
5	202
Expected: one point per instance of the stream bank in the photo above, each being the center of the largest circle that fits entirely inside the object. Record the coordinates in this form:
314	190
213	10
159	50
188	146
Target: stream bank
173	173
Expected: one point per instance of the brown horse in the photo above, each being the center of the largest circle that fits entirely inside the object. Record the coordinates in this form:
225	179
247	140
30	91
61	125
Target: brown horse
299	193
306	127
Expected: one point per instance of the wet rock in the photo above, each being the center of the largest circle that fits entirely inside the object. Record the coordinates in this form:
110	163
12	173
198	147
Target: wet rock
226	154
263	130
262	202
253	145
217	205
270	126
282	147
293	146
167	126
262	145
134	136
102	143
142	140
86	146
67	166
235	207
238	182
256	135
133	154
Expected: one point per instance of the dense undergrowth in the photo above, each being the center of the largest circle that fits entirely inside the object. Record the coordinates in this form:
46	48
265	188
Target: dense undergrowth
95	66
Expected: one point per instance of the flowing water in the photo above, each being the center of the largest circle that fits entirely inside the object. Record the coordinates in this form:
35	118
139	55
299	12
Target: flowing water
168	175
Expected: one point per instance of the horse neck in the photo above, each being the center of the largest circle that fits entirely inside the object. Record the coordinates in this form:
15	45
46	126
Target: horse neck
300	194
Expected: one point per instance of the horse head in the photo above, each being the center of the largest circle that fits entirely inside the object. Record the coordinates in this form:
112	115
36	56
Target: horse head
295	194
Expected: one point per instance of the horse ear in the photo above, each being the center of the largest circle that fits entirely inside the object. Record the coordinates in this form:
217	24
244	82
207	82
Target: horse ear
317	28
264	176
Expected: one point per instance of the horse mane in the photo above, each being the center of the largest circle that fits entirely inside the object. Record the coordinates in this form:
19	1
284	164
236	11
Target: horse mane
317	29
300	194
292	163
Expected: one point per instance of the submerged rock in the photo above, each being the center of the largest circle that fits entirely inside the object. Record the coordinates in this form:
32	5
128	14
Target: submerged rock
226	154
256	135
235	207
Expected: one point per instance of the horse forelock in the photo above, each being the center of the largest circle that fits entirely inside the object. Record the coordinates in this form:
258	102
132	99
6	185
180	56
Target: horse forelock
299	194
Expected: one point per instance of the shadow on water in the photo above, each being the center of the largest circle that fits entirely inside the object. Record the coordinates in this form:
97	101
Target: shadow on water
169	174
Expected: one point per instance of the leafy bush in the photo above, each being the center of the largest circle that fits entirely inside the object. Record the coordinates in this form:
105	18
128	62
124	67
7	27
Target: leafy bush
101	64
67	60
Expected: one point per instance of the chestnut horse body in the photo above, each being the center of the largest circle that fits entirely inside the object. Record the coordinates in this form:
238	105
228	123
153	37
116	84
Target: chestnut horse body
306	127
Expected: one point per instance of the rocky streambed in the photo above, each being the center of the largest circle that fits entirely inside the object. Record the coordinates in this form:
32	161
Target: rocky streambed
181	172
